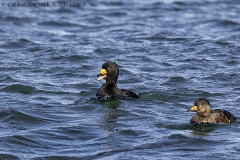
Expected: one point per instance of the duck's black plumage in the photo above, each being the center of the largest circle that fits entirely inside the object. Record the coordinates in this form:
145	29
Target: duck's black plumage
109	90
206	115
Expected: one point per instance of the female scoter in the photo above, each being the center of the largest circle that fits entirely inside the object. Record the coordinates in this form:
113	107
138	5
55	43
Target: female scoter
206	115
109	90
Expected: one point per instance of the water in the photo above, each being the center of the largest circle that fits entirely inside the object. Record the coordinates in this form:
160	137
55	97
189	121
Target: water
171	52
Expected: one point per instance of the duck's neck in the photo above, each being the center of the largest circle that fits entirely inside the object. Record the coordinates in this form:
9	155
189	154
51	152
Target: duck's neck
111	82
205	113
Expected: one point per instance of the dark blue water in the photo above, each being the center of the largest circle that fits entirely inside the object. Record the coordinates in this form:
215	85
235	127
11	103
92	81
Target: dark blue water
170	51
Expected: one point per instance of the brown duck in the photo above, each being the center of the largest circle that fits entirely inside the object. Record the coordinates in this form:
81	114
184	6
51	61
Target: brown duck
206	115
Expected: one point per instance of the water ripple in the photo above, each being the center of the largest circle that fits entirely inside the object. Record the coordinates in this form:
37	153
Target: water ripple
19	88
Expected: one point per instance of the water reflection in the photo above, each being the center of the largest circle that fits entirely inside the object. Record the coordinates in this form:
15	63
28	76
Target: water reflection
203	128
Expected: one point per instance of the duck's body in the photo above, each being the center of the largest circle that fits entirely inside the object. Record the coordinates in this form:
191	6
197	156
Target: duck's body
109	90
206	115
215	116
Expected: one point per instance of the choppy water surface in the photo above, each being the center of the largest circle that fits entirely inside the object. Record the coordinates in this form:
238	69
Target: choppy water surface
172	52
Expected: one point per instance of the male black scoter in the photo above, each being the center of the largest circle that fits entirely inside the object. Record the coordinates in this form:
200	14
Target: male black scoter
206	115
109	90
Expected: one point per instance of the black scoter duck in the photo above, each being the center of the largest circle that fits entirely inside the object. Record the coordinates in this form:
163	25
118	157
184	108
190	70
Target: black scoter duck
206	115
109	90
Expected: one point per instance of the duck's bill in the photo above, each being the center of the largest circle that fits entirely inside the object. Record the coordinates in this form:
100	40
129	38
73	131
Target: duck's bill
193	109
102	74
101	77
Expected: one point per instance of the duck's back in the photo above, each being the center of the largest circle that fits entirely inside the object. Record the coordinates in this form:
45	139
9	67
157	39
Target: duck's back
222	116
129	94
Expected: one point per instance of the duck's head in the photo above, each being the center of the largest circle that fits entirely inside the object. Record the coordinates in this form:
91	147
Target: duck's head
201	106
109	72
